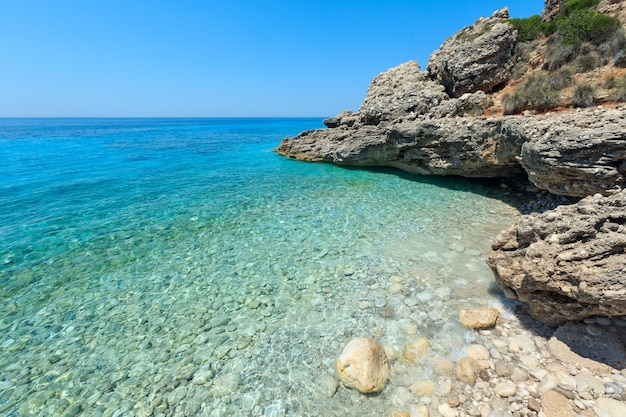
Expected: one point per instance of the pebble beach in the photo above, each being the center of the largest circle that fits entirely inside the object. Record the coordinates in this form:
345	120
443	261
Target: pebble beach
198	273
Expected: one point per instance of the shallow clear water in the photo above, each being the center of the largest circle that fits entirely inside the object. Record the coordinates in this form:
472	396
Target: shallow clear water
180	267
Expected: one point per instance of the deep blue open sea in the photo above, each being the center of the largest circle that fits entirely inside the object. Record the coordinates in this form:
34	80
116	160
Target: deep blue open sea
179	267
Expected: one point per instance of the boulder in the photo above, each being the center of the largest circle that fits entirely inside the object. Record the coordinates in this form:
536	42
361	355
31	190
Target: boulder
467	370
416	350
555	404
401	91
363	365
576	153
568	263
479	57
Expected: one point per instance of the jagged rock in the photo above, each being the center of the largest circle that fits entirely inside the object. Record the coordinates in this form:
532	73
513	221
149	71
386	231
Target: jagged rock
551	9
477	148
573	153
346	118
479	57
576	153
363	365
403	90
567	264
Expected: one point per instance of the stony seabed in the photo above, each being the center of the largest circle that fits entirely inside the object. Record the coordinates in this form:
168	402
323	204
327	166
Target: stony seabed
180	267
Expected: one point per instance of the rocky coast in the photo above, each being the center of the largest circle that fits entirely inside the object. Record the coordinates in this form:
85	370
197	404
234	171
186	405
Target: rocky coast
559	346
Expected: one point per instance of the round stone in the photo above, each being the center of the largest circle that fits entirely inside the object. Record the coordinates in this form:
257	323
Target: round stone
505	389
478	352
363	365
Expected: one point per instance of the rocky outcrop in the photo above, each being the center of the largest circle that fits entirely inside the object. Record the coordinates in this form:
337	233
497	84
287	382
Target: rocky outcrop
552	9
568	263
573	153
400	91
451	147
577	153
480	57
363	365
616	8
433	123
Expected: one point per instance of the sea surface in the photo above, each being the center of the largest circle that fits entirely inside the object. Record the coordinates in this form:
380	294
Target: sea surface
179	267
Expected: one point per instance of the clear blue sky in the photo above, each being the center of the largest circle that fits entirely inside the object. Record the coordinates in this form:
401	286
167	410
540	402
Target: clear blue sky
198	58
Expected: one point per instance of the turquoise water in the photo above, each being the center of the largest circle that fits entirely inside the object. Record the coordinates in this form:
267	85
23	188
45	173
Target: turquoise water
180	267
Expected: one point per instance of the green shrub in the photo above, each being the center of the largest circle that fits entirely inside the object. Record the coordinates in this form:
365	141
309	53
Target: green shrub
585	62
529	28
610	82
558	54
619	94
586	25
534	94
571	6
584	96
558	79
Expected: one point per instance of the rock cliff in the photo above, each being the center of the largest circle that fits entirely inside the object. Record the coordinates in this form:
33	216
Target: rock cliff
480	57
567	264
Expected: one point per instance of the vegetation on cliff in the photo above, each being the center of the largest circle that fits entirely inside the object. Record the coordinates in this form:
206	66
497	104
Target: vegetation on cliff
555	56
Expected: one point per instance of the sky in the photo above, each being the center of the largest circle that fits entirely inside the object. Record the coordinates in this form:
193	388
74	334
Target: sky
207	58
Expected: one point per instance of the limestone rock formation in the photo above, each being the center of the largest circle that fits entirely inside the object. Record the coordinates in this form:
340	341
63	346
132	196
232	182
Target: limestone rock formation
567	264
363	365
576	153
573	153
551	9
400	91
479	57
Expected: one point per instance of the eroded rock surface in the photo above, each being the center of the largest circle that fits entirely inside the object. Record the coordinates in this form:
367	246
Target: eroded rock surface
577	153
551	9
567	264
478	57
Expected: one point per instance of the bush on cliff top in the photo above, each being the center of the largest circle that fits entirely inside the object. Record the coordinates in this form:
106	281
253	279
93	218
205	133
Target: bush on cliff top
530	28
571	6
577	22
540	92
586	25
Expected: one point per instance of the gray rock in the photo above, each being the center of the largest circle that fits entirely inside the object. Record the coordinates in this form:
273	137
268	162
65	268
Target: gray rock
576	153
551	9
505	389
403	90
569	268
479	57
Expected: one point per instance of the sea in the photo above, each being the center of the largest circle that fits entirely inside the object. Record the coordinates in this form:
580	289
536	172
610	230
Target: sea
180	267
